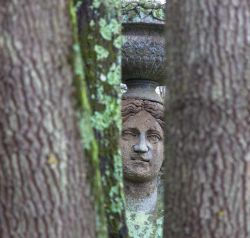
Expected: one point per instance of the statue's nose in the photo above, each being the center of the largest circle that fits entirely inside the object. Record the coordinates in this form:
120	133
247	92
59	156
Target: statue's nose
142	146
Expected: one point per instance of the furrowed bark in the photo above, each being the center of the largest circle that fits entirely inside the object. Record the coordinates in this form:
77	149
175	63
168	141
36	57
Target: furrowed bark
208	137
43	186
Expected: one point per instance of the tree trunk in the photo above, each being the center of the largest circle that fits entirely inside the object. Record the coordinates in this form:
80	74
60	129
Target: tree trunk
208	138
43	186
100	38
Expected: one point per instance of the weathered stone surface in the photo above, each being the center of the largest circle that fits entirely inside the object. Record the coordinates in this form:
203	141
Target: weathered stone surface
146	11
142	89
142	154
143	69
143	51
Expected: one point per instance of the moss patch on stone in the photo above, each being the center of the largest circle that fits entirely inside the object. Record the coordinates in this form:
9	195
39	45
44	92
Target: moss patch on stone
146	11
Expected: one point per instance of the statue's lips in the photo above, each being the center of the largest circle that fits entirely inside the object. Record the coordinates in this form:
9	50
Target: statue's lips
140	158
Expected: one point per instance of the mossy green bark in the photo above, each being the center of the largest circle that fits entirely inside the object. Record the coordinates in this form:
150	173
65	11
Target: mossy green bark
100	37
90	145
98	92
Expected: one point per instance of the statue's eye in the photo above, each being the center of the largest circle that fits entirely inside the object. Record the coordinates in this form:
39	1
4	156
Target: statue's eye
154	138
129	135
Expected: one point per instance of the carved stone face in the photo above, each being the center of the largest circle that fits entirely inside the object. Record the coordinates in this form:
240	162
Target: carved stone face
142	147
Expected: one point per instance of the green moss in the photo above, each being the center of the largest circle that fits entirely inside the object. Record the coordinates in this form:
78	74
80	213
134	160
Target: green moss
84	113
111	113
114	75
143	10
107	30
101	52
118	42
98	95
101	39
96	3
159	14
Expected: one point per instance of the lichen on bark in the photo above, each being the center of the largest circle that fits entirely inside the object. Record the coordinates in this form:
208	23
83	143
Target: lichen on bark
90	145
100	38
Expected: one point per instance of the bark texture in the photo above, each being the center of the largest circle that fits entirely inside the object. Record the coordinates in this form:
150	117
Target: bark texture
43	187
208	138
100	38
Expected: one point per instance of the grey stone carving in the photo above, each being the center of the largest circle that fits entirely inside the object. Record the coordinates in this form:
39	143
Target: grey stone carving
142	151
143	69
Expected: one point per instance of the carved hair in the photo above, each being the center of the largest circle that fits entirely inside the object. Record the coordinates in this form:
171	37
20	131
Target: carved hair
130	107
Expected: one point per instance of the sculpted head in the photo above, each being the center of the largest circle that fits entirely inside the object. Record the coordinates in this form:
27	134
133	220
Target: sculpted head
142	139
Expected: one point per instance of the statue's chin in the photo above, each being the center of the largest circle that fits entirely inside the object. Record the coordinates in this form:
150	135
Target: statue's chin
138	176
